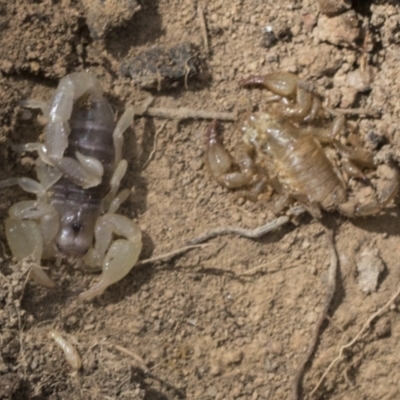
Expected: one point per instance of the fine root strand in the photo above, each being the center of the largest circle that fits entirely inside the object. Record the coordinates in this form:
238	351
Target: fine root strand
129	353
377	314
236	230
21	339
359	111
332	274
261	267
185	113
151	155
203	27
171	254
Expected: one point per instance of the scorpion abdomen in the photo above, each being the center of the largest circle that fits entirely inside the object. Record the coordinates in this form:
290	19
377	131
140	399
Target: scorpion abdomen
92	125
313	174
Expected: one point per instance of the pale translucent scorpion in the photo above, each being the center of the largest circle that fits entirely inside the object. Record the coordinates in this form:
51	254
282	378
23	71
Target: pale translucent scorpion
79	169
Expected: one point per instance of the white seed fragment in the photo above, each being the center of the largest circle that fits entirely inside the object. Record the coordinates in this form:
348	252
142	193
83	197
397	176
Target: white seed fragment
71	354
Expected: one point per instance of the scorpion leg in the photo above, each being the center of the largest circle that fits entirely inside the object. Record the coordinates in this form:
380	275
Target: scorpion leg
121	256
351	158
118	174
34	103
27	184
47	174
220	163
122	125
353	208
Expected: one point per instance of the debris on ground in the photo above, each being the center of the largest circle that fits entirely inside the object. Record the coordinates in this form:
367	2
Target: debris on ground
160	68
104	15
369	267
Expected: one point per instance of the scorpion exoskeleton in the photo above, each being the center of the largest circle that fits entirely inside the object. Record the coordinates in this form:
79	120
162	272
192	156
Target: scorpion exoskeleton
289	145
79	169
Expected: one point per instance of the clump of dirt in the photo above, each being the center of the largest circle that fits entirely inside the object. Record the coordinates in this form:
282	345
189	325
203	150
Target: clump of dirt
196	326
103	16
160	68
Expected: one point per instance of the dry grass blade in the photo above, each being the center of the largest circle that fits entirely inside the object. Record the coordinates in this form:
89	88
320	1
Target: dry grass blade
236	230
155	144
186	113
332	273
169	255
354	340
130	353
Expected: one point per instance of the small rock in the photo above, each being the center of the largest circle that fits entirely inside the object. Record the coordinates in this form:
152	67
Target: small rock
369	267
232	357
212	391
9	384
361	79
104	15
160	68
333	6
341	30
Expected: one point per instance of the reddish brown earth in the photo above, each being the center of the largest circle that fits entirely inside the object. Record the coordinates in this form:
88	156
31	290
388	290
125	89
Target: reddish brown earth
203	329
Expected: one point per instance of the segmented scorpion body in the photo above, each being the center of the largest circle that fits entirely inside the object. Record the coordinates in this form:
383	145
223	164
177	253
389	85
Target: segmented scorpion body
290	155
79	169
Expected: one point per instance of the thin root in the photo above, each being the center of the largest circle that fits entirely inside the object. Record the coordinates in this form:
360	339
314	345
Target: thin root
354	340
135	356
332	273
21	339
247	233
171	254
203	26
261	267
155	144
358	111
186	113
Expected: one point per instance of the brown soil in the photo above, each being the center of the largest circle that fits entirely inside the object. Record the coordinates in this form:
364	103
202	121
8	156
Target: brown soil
203	331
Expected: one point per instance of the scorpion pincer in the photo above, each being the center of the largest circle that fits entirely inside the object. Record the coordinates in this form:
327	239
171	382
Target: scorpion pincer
79	169
290	149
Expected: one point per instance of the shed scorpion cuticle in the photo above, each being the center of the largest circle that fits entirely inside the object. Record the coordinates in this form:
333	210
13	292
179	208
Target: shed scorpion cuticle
79	170
286	147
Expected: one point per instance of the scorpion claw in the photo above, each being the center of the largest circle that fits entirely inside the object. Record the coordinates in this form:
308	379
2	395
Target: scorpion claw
120	259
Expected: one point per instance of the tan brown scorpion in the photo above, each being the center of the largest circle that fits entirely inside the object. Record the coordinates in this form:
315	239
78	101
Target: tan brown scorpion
288	145
79	169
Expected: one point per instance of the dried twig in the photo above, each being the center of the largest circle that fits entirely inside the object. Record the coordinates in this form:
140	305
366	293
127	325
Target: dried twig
21	339
171	254
130	353
248	233
259	268
203	26
155	144
185	113
354	340
358	111
332	273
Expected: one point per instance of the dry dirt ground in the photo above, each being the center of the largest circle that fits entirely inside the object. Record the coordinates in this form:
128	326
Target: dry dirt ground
204	328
